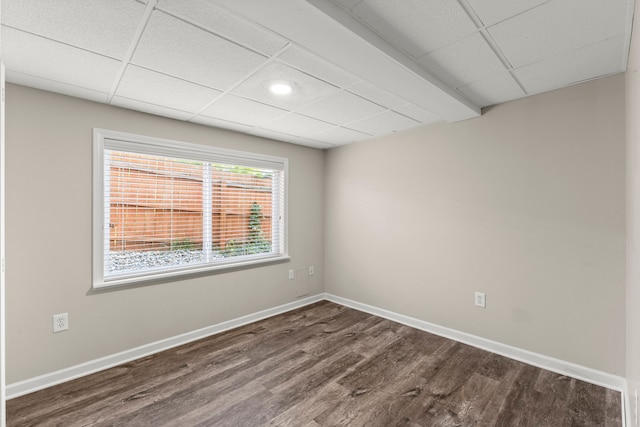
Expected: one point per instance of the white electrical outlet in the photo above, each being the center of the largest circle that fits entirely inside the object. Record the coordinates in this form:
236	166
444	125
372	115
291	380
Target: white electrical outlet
481	300
312	270
60	322
292	274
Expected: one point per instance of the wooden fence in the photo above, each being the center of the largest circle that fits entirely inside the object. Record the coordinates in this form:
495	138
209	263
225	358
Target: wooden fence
157	211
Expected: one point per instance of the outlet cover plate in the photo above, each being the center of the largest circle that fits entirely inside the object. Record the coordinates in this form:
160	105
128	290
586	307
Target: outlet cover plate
481	300
60	322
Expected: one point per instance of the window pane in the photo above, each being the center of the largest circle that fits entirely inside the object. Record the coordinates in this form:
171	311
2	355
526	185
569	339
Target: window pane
154	212
242	203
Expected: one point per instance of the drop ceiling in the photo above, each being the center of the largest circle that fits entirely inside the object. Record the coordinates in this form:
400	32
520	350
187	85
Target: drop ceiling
359	68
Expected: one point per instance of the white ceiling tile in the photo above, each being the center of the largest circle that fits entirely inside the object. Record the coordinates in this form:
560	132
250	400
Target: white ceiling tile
492	11
500	87
341	107
141	84
157	110
340	135
28	54
223	124
416	26
237	109
80	23
295	124
174	47
53	86
583	64
382	124
557	27
377	95
463	62
220	21
307	88
417	113
311	64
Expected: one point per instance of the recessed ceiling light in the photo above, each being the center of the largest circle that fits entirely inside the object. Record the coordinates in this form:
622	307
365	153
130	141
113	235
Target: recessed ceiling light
280	88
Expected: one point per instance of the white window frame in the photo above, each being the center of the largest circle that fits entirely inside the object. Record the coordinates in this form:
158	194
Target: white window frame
108	139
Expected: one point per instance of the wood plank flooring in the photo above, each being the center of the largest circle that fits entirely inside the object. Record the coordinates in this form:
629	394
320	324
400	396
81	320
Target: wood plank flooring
321	365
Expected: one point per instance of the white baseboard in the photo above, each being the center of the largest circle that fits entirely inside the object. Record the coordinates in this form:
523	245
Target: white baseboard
593	376
77	371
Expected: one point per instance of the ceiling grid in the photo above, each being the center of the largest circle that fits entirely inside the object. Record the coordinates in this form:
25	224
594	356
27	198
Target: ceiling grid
132	47
358	68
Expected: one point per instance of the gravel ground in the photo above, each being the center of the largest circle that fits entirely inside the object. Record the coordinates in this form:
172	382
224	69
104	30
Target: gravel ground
140	260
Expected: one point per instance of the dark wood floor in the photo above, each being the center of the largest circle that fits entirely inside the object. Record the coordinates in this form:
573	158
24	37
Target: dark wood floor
322	365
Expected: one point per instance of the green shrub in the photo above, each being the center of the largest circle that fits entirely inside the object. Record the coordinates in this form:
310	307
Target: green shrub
182	245
255	243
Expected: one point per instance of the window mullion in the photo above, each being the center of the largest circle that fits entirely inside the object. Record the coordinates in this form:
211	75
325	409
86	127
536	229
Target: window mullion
207	211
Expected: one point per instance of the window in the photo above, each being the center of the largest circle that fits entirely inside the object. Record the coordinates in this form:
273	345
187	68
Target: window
166	208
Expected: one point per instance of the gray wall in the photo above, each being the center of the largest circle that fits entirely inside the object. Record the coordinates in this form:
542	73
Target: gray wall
633	212
525	203
48	207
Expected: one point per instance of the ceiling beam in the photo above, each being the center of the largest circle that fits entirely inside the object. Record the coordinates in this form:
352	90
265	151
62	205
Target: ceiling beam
326	30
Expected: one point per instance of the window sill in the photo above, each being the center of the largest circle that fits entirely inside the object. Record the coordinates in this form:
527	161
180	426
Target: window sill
184	273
